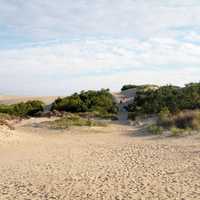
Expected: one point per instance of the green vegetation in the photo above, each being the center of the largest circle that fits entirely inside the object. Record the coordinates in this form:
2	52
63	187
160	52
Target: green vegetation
29	108
173	98
177	108
127	87
176	131
132	115
154	129
72	120
101	102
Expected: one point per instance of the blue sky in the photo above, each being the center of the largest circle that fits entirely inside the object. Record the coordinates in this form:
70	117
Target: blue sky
59	47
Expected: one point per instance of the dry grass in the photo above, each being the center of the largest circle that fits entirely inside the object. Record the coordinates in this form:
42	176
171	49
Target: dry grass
72	120
4	118
187	119
5	123
182	122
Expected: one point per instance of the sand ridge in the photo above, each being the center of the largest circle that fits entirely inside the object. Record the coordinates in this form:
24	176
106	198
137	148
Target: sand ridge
17	99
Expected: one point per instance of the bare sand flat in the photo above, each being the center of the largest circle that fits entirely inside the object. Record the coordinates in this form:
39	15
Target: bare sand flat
96	163
18	99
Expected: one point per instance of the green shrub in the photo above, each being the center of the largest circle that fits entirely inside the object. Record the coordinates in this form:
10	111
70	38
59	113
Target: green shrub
173	98
164	113
127	87
29	108
131	115
176	131
90	101
154	129
165	118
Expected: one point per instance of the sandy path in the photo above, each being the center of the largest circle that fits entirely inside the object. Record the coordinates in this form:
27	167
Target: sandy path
97	163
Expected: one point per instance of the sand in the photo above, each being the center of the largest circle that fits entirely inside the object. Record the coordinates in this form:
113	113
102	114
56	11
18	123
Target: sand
17	99
116	162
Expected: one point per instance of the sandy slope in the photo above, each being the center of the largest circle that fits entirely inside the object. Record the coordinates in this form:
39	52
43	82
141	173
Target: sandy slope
17	99
126	96
97	163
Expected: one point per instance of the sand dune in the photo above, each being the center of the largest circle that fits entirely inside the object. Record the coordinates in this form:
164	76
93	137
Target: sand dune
17	99
125	97
96	163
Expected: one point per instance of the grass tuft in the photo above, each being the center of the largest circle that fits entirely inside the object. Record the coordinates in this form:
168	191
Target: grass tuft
177	131
154	129
70	120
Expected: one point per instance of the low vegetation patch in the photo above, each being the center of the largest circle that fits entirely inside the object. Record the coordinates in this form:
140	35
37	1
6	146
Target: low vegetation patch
155	129
4	116
29	108
189	119
98	115
177	131
183	122
70	120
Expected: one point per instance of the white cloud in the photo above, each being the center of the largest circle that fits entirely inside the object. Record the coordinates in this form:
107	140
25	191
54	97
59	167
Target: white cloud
78	65
82	18
82	44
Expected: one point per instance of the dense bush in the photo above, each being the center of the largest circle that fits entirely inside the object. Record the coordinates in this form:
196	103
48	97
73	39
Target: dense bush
170	97
29	108
165	118
89	101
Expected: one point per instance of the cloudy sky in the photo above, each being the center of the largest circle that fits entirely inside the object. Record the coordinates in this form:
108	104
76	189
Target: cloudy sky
50	47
